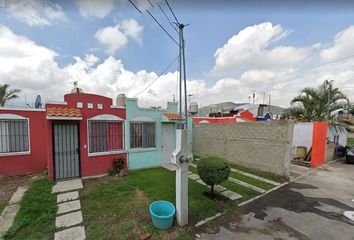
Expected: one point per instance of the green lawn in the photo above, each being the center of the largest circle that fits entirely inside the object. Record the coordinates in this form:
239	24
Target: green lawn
243	178
350	142
117	208
3	204
266	175
36	216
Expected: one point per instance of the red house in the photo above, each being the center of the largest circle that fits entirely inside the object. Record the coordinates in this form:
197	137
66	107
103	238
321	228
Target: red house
79	137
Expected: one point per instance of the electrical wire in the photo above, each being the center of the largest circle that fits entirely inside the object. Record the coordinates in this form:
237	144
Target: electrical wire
168	5
158	23
169	35
153	81
168	19
135	7
150	3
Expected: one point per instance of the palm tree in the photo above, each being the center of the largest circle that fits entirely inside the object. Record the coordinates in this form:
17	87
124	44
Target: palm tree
7	94
317	104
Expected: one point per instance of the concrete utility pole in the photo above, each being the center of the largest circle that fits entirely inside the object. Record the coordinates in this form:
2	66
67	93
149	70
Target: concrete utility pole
181	156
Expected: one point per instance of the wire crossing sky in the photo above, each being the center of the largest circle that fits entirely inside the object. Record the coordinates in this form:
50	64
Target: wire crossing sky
120	46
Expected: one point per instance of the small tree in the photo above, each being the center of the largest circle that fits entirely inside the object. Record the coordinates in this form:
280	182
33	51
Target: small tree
7	94
213	170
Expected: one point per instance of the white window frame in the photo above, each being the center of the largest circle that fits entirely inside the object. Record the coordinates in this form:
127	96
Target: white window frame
106	117
8	116
142	120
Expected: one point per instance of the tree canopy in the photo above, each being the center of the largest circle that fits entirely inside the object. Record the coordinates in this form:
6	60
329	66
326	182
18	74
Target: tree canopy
318	104
7	94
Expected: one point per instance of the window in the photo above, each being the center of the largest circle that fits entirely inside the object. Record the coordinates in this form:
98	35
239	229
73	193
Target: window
105	136
14	135
142	135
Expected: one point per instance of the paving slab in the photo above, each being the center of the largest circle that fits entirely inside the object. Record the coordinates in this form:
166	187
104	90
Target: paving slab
69	196
193	176
68	220
219	188
247	185
201	182
255	177
69	207
17	197
68	185
170	167
74	233
7	218
231	195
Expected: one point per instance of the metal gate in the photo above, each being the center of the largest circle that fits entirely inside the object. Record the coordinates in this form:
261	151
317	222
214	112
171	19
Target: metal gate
66	150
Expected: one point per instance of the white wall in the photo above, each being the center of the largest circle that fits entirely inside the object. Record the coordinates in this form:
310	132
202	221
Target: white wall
338	135
302	135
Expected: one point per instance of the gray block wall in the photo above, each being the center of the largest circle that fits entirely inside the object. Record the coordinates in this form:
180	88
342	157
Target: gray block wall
261	145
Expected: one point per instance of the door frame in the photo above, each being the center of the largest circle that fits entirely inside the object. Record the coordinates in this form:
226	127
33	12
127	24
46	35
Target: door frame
173	125
63	122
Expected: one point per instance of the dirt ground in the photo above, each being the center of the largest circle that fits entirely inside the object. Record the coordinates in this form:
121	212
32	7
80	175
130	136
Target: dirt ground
8	185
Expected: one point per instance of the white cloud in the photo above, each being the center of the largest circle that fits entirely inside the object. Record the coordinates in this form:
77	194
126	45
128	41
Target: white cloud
36	12
131	28
249	49
112	38
33	68
341	47
116	37
95	8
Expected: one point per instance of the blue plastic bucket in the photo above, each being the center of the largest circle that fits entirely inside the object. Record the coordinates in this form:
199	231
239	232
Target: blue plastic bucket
162	213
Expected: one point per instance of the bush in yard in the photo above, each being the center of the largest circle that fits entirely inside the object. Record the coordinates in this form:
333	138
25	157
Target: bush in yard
213	170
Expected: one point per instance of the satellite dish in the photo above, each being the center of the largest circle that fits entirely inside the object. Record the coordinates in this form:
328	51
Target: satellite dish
38	102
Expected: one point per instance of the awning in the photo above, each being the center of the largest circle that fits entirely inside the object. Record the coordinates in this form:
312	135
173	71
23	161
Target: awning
56	113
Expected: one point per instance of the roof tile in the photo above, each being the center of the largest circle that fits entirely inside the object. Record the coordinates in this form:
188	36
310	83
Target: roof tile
63	112
172	116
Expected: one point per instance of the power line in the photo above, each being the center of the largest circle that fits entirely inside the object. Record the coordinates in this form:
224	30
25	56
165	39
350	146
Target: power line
168	19
150	3
158	23
163	72
162	27
168	5
135	7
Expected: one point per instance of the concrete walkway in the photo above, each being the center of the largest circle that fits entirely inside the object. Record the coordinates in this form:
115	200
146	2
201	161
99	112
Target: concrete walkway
69	216
9	213
312	207
218	188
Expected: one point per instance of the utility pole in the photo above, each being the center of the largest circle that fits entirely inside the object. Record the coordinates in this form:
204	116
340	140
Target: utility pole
264	97
328	102
269	104
181	156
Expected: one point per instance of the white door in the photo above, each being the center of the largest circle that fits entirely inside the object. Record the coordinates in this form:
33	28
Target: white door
168	142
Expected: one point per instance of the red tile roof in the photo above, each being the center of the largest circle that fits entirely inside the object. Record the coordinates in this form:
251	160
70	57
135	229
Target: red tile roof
63	112
172	116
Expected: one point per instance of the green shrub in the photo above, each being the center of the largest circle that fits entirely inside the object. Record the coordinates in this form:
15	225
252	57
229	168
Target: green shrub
213	170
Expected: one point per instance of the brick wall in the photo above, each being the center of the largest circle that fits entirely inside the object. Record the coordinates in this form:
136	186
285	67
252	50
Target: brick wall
262	145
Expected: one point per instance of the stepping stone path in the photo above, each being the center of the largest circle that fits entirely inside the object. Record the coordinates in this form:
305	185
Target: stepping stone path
218	188
228	193
9	213
69	216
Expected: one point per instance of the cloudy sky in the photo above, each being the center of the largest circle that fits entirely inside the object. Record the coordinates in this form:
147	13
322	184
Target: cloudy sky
232	48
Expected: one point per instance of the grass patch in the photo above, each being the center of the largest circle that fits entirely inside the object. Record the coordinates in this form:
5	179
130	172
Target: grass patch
36	216
267	175
350	142
252	181
3	204
117	208
245	192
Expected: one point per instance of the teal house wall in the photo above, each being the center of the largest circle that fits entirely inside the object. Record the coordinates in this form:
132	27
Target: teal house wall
146	157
